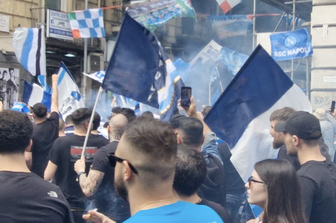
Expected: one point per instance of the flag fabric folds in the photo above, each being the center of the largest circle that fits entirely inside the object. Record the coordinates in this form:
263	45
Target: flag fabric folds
227	5
29	46
156	13
241	114
231	25
87	23
33	93
97	76
140	70
69	98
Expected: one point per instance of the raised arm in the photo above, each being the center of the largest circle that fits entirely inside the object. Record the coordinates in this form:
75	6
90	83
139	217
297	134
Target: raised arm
54	95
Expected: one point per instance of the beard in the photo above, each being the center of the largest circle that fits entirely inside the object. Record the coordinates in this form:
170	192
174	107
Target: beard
277	144
121	189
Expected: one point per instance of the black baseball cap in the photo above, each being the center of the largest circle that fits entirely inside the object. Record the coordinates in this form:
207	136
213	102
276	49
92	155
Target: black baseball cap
302	124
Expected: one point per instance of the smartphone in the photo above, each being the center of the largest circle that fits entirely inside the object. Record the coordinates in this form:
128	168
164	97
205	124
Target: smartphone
332	106
1	99
185	96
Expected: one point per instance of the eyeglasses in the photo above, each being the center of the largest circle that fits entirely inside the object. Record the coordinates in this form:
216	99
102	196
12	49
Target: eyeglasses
114	159
250	180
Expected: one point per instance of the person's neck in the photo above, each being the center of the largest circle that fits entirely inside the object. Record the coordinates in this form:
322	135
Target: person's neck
80	131
40	120
306	154
94	132
144	199
13	162
61	134
194	198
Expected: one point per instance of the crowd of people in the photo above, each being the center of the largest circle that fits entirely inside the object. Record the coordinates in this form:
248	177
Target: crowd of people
153	171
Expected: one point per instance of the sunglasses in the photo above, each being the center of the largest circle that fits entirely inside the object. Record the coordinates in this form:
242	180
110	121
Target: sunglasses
250	180
114	159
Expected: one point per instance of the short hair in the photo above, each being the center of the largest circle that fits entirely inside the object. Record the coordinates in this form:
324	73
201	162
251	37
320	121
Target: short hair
206	110
96	121
192	131
129	114
106	124
68	120
81	115
60	125
15	132
190	170
116	110
40	110
281	115
147	114
156	142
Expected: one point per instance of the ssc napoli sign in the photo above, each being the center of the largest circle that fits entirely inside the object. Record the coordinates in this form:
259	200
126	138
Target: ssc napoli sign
291	45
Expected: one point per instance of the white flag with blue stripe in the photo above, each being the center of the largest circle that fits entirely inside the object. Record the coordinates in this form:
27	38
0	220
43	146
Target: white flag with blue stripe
69	97
33	93
97	76
29	45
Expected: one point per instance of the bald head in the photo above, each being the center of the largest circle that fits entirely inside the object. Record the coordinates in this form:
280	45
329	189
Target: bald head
117	125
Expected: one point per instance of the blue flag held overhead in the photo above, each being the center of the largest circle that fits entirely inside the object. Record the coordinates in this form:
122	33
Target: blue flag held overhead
33	93
291	45
139	69
241	114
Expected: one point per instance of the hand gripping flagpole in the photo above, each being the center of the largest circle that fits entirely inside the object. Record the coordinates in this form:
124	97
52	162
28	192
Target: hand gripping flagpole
91	120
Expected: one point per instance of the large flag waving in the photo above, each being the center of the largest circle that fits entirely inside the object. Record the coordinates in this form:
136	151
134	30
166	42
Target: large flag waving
69	98
241	115
29	45
140	70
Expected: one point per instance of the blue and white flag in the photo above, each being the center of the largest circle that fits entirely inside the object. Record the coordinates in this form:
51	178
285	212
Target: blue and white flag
33	93
20	107
69	97
241	115
233	60
43	82
29	46
231	25
140	70
291	45
97	76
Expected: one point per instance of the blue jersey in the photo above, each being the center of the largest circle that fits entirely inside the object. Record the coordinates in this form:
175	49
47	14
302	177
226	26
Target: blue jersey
179	212
20	107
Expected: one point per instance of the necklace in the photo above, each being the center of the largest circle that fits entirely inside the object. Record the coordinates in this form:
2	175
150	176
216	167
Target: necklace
153	202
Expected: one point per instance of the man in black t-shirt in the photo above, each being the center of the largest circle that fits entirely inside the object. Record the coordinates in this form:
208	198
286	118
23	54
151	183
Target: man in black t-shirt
100	180
25	197
317	174
64	153
45	132
282	115
189	176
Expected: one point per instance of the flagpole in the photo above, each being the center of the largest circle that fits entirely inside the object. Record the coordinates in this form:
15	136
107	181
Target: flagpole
91	120
85	62
254	25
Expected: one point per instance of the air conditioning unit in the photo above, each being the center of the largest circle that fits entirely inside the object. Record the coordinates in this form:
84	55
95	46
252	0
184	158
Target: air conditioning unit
96	62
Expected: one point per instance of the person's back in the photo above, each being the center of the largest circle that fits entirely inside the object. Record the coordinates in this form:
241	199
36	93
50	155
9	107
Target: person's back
24	196
179	212
318	183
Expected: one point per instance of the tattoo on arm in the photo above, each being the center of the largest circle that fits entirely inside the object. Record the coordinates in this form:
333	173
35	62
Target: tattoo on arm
91	183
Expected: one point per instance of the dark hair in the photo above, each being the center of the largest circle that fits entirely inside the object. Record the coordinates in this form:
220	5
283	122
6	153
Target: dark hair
190	170
68	120
281	115
147	114
129	114
60	124
192	131
106	124
81	115
284	202
206	110
15	132
156	141
116	110
40	110
96	121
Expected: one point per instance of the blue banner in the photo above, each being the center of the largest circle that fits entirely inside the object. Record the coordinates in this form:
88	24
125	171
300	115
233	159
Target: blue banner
231	25
291	45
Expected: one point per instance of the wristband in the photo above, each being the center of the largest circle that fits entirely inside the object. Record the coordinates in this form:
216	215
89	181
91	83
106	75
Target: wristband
80	173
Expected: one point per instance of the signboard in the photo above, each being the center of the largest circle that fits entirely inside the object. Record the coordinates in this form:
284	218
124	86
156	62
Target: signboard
329	79
291	45
4	23
58	25
9	86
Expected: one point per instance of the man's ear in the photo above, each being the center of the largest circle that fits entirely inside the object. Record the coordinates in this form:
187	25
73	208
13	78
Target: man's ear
179	140
296	140
108	129
127	171
28	149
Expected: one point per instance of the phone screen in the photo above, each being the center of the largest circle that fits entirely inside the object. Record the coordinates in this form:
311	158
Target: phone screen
185	96
332	106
